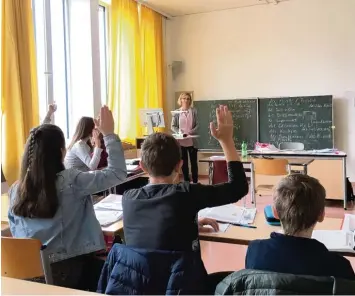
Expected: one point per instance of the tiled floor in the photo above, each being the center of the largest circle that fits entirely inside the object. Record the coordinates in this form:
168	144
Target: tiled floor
220	256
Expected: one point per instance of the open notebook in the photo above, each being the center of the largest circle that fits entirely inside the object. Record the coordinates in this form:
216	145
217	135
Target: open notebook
339	240
109	210
230	214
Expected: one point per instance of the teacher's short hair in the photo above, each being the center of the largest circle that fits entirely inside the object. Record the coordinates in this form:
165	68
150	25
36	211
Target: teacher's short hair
182	95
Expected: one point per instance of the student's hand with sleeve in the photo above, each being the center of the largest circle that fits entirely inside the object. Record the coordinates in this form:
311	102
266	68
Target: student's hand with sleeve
206	221
224	133
96	138
51	109
105	123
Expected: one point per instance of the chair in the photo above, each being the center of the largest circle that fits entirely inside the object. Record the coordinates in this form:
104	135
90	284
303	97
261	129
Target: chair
269	167
297	147
22	258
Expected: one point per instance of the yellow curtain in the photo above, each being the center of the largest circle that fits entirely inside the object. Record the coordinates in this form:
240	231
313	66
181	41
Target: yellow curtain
125	68
136	78
151	32
19	98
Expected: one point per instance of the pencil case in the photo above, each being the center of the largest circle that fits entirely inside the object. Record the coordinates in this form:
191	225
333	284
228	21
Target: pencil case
269	216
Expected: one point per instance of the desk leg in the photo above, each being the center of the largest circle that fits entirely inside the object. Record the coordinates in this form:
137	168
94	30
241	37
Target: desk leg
252	184
344	184
210	172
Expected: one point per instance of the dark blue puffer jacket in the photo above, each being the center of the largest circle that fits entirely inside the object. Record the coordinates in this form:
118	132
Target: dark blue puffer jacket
129	271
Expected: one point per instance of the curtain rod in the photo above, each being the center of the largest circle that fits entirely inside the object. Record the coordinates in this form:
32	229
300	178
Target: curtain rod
143	2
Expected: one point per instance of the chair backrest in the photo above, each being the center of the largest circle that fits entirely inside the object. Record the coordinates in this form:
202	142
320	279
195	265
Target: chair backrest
21	258
270	167
291	146
247	281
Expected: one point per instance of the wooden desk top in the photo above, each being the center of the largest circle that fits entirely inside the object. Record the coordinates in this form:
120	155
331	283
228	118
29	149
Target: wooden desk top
209	159
242	236
113	228
11	286
299	154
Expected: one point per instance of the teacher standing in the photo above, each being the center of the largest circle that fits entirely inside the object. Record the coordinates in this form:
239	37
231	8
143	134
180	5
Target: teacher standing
187	123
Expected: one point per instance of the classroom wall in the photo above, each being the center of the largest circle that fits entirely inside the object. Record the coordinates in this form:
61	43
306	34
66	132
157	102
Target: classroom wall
299	47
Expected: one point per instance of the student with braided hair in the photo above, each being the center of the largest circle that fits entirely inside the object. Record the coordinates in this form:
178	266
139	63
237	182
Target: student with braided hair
53	204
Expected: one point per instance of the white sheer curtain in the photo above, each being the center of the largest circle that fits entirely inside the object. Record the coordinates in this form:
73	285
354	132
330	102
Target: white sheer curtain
68	59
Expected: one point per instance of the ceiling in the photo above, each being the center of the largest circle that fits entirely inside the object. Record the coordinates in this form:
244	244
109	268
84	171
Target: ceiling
184	7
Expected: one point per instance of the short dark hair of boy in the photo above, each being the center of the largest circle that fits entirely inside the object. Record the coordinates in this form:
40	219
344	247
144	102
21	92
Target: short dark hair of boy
299	201
160	154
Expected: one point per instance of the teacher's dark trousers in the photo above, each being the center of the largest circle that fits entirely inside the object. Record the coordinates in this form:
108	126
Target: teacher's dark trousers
192	153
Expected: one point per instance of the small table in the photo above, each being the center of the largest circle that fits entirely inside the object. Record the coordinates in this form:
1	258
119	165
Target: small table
307	155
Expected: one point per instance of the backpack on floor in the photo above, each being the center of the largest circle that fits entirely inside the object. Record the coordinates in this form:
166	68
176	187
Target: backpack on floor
350	190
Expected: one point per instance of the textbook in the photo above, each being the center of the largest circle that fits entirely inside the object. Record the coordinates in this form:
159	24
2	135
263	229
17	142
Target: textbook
339	240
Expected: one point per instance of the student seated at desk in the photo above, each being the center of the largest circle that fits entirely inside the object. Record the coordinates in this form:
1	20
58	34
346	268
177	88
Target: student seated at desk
53	204
79	151
162	253
299	202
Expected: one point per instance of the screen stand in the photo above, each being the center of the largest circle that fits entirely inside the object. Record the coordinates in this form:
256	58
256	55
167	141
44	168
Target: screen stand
150	125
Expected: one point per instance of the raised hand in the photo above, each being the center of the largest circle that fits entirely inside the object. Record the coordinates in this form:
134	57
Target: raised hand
52	108
96	138
224	130
105	123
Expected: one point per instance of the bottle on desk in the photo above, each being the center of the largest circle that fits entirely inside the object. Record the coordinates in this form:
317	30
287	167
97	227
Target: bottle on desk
244	149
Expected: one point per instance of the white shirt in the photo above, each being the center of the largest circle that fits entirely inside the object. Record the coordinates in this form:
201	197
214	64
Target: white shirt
79	157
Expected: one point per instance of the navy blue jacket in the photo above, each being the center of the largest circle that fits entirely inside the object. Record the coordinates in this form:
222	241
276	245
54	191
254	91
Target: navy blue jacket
296	255
130	271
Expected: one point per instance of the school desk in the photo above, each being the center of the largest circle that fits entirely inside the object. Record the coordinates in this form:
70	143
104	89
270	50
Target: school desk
243	236
11	286
328	168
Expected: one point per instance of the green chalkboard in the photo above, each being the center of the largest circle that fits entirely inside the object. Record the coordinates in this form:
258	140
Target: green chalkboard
245	116
308	120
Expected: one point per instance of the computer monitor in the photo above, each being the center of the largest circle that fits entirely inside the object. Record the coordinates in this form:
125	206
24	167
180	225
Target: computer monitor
152	118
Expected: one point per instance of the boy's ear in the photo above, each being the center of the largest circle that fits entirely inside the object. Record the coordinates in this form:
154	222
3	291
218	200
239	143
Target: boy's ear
274	212
143	167
321	217
179	166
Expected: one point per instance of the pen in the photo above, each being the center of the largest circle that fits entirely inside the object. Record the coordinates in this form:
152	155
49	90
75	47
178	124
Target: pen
239	224
243	225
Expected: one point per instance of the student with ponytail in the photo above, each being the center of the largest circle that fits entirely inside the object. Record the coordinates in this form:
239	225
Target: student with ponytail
53	204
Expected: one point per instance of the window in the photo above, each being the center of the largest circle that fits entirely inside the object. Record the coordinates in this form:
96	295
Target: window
103	53
67	32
